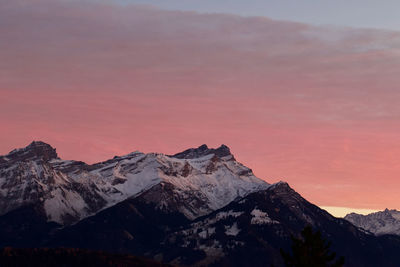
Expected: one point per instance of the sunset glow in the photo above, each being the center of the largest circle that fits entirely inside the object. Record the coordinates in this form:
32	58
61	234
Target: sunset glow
316	106
342	211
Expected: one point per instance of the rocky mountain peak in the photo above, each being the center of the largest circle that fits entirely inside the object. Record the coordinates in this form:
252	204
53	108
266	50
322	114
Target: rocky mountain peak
35	150
202	151
222	151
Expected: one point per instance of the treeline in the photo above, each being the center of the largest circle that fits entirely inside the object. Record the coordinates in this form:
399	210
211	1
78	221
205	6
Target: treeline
68	257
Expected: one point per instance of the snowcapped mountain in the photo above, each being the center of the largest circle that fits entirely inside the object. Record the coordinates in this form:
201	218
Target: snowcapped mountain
194	182
379	223
28	177
199	207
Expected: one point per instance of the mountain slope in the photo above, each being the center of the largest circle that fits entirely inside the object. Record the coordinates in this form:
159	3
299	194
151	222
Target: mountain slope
134	226
247	232
250	232
379	223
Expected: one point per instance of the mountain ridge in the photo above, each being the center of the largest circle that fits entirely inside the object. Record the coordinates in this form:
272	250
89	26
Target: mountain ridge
378	223
71	190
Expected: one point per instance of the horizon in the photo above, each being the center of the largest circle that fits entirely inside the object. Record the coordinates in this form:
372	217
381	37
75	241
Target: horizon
311	100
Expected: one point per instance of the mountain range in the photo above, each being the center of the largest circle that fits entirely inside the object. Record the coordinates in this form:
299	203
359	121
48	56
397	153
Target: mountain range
199	207
378	223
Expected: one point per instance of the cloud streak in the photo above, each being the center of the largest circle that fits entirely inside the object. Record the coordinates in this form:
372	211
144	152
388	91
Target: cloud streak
310	105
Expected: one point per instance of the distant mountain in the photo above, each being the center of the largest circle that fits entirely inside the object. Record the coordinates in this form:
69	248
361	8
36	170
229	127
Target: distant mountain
199	207
379	223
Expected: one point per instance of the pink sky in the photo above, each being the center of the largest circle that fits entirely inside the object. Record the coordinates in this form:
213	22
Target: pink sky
317	107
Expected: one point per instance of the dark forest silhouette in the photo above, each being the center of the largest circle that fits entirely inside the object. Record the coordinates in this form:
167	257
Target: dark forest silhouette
311	250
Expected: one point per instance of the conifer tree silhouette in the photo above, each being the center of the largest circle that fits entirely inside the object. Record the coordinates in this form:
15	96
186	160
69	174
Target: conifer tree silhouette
311	250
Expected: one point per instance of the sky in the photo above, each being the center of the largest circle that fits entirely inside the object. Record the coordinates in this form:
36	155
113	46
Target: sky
354	13
305	101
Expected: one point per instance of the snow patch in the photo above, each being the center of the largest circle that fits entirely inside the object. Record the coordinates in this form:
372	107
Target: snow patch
225	214
232	230
64	202
260	217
